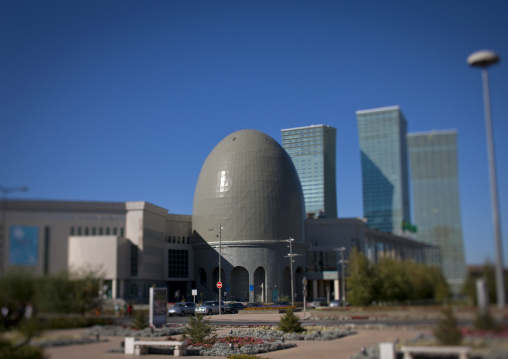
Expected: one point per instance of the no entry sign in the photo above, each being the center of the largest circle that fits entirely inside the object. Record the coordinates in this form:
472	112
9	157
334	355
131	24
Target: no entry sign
219	284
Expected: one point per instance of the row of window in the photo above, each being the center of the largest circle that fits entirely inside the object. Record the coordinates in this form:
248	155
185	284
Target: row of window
94	231
178	240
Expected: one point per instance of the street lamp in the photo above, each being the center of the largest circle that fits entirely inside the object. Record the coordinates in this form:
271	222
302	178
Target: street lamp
484	59
291	260
5	192
220	270
343	265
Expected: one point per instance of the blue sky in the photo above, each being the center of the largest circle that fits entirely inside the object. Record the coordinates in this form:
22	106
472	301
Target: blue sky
123	100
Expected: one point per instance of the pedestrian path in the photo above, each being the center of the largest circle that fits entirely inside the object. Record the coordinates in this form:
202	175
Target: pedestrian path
341	348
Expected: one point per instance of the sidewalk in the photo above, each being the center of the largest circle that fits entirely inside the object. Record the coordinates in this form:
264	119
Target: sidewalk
341	348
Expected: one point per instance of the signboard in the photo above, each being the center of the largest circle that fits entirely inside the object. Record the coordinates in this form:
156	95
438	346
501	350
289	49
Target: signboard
194	292
24	245
158	300
219	284
251	287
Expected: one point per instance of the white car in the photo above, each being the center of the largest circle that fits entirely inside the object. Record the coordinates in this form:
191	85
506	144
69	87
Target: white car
181	309
209	308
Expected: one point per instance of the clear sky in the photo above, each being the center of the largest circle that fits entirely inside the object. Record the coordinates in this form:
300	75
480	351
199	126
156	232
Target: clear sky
123	100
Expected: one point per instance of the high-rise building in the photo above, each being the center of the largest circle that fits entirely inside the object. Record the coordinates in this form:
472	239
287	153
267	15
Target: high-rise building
383	146
312	149
436	207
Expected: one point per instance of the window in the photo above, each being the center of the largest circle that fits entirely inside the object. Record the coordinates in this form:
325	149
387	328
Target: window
178	263
100	231
93	231
107	231
122	232
79	231
134	290
134	260
115	231
86	231
72	231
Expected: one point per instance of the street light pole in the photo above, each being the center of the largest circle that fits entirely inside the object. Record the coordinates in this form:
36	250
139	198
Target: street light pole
291	255
484	59
220	269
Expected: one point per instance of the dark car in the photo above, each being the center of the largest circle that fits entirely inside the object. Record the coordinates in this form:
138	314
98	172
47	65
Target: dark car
233	307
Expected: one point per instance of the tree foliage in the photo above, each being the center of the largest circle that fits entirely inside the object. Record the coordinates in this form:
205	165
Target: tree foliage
289	323
393	281
447	331
199	330
489	274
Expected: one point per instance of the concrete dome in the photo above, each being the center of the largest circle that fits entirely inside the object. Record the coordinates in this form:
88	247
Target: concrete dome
249	185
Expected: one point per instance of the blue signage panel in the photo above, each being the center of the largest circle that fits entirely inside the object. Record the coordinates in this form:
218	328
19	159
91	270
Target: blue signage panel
251	287
23	245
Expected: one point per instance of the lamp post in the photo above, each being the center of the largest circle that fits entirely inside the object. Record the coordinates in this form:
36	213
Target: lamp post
220	270
291	255
5	192
484	59
343	283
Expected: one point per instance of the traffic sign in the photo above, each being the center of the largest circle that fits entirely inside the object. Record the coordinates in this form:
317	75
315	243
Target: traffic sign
219	284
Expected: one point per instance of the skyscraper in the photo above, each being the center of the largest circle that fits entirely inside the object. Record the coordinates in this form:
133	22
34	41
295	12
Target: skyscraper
312	150
383	146
434	177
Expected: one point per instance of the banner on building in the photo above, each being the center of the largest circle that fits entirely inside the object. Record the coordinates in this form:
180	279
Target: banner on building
24	245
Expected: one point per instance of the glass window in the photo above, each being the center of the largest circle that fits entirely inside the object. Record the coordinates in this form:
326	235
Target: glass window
178	263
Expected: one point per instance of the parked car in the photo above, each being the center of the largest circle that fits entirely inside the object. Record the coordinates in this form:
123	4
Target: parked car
182	308
336	303
209	307
233	307
318	302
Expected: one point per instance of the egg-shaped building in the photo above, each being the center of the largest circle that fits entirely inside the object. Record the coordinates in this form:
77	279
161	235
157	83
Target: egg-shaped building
249	200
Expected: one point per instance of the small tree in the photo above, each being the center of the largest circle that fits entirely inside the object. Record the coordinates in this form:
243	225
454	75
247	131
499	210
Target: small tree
289	323
447	331
200	330
140	321
485	322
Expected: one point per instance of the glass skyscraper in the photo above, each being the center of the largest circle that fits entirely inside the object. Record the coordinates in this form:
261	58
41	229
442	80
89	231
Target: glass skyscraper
382	134
434	177
312	150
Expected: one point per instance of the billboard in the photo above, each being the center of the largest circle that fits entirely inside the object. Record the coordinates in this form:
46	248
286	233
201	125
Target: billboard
24	245
158	300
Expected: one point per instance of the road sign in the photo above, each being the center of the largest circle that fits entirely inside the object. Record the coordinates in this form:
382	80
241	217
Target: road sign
219	284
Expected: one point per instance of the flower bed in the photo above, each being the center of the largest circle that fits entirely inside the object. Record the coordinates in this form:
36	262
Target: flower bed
328	334
124	331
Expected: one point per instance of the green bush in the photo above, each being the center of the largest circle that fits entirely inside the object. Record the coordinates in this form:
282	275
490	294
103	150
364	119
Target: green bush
199	330
72	322
485	322
243	356
289	323
447	331
140	321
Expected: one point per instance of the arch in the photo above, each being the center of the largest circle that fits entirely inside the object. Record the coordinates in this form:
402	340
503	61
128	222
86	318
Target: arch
286	283
260	285
202	277
299	274
240	284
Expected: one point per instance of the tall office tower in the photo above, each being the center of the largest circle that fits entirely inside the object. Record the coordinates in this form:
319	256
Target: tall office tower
312	150
434	177
383	146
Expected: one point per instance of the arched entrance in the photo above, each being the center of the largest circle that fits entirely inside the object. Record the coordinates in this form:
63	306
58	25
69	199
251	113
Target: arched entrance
286	283
240	284
299	283
260	285
202	277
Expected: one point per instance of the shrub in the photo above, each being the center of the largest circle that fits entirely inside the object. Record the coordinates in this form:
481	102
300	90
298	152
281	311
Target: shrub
244	356
140	321
447	331
485	322
200	331
289	323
